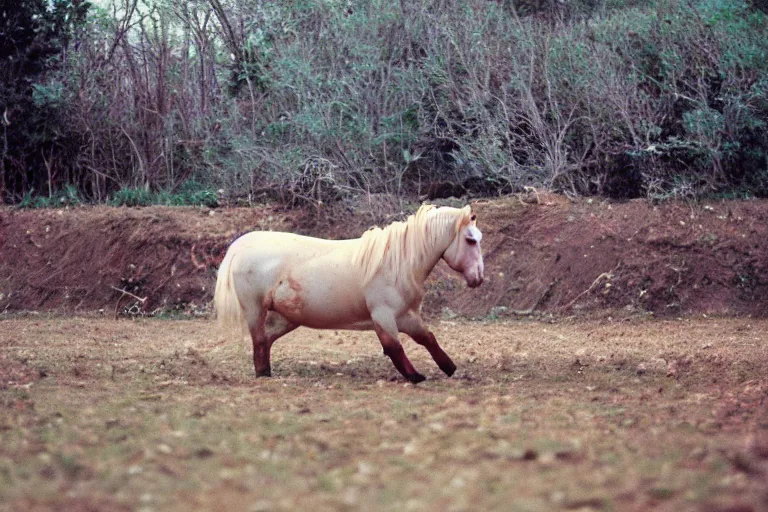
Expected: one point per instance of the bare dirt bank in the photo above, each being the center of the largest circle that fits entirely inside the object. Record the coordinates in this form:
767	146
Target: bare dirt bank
543	254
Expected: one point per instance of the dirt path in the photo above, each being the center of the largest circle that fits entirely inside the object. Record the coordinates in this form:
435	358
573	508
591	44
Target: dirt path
163	415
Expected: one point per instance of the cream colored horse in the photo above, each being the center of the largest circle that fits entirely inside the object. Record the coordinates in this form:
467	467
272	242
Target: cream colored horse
274	282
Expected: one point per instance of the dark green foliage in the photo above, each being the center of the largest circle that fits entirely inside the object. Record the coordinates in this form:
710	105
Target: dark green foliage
36	137
191	193
250	72
135	197
67	196
761	5
702	72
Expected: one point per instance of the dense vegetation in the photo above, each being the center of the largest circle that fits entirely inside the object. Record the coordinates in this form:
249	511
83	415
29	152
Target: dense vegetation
134	102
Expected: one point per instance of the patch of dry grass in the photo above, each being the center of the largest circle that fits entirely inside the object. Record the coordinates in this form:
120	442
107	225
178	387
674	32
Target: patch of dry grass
165	415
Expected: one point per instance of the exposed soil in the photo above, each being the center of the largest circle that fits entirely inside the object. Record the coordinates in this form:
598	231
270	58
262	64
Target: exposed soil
544	254
603	407
146	414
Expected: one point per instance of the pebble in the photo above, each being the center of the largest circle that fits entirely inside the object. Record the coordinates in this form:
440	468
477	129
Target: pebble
261	506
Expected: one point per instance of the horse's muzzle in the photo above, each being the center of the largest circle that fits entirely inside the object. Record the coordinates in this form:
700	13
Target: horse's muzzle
475	282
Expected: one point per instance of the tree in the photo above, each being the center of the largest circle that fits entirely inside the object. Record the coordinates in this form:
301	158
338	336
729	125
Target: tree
33	35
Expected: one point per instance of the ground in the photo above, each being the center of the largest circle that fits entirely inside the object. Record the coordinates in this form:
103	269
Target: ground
614	359
602	414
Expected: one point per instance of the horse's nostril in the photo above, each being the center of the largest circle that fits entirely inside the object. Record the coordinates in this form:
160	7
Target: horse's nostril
474	283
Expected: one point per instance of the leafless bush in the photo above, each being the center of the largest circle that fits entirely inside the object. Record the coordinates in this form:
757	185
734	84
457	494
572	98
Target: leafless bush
315	102
318	182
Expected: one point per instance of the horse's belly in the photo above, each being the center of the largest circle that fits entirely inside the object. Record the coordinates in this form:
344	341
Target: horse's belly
326	305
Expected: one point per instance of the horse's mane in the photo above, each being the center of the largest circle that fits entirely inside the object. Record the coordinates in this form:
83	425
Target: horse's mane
403	245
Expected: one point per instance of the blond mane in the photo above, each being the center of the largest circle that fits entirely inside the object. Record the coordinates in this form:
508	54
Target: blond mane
402	246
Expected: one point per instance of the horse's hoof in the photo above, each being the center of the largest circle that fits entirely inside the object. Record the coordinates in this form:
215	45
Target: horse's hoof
449	369
264	373
416	378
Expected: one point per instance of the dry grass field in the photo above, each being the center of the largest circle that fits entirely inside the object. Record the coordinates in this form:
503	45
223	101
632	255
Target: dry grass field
98	414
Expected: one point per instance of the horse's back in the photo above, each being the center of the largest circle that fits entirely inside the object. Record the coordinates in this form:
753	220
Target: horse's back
296	248
283	241
265	256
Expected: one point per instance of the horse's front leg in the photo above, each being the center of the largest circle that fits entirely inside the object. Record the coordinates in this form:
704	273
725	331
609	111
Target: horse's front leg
386	329
413	326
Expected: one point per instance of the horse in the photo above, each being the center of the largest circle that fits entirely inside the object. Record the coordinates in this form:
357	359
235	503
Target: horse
273	282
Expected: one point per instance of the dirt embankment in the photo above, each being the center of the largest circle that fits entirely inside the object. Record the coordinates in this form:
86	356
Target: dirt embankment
543	254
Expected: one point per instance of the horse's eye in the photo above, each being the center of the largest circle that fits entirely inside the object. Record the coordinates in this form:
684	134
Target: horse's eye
471	241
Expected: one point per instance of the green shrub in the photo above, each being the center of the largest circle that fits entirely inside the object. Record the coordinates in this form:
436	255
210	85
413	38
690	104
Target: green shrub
138	196
68	196
193	193
190	193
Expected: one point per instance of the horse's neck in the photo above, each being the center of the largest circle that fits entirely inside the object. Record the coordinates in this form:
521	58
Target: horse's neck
432	257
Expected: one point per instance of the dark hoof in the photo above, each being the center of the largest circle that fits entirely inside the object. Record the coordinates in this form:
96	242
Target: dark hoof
264	373
448	369
416	378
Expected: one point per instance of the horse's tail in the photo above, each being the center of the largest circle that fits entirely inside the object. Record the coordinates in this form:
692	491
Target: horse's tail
229	312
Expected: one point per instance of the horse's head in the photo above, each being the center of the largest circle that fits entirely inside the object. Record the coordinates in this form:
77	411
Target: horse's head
464	255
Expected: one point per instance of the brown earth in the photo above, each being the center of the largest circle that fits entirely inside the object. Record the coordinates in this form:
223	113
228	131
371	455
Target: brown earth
592	415
601	407
544	254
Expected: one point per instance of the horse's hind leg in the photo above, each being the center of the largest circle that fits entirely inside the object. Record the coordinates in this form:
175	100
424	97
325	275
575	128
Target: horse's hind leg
266	327
413	326
256	318
277	326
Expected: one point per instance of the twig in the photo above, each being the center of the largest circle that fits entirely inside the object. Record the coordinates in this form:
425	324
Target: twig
528	311
604	275
528	190
124	293
138	153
